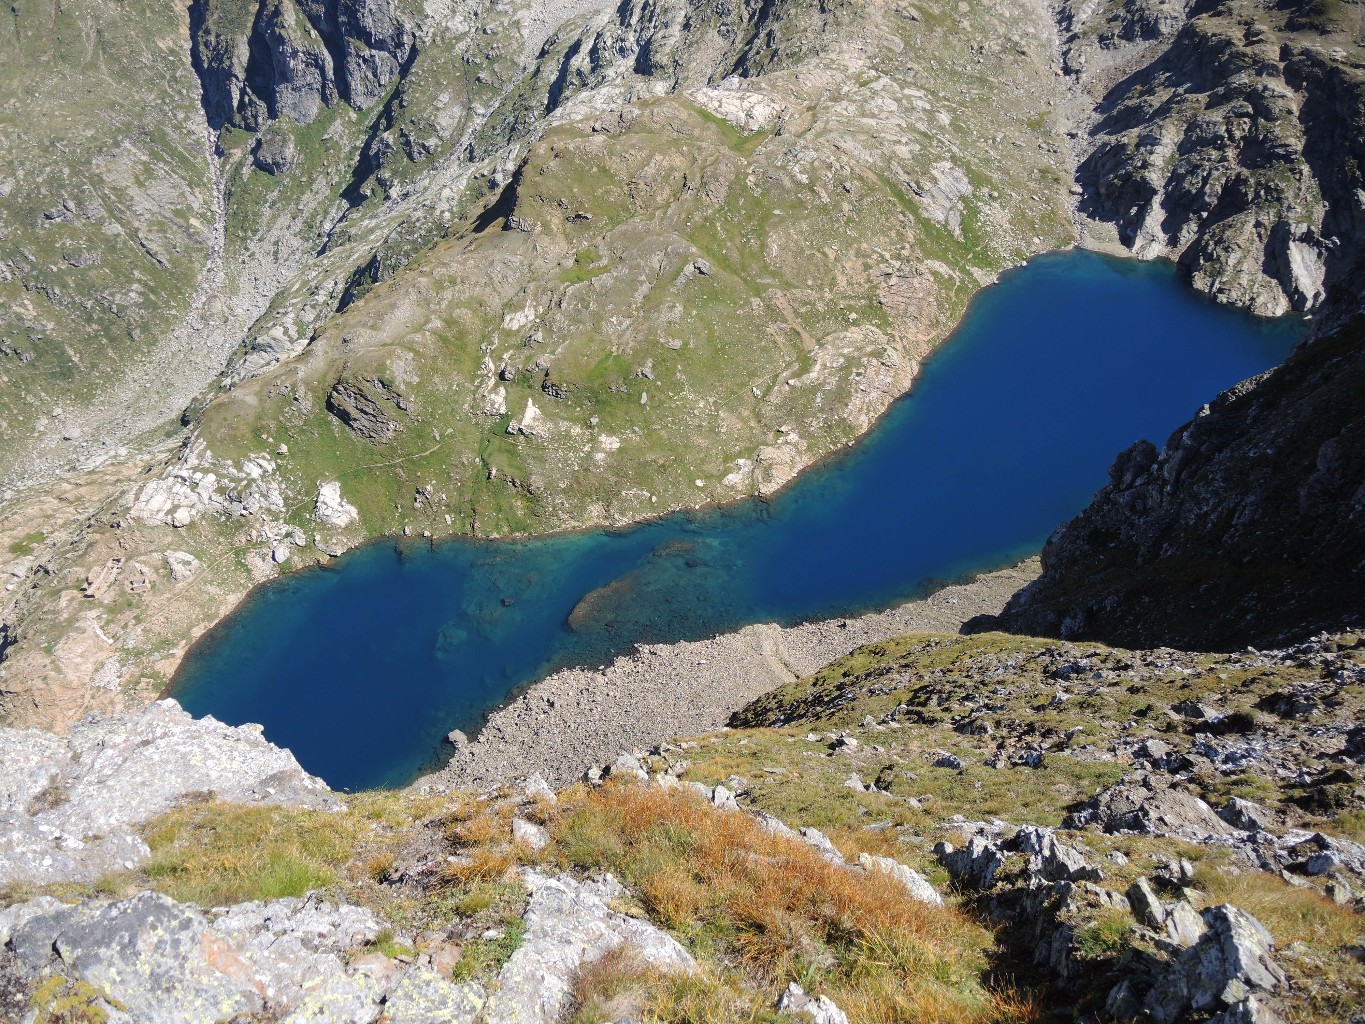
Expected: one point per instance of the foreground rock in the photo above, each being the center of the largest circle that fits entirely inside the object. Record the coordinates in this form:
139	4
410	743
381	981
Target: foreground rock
69	806
568	924
1174	961
149	960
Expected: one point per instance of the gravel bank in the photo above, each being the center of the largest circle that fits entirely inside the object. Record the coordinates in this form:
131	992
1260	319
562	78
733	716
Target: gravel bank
577	718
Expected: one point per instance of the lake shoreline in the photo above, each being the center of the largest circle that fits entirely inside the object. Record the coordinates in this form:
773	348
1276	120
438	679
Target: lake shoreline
576	718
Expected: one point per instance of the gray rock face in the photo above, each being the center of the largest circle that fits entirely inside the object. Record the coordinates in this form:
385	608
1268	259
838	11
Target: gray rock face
165	961
1230	963
1249	1011
69	805
363	405
975	864
1246	815
423	997
1148	808
1178	923
814	837
1246	528
569	923
915	884
820	1009
292	58
1051	860
1224	151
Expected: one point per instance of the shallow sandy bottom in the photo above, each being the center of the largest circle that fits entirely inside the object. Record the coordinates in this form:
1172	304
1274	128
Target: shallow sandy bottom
578	718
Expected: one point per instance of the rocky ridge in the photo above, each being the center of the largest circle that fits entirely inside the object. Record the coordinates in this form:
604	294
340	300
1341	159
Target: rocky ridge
1248	527
1225	137
72	804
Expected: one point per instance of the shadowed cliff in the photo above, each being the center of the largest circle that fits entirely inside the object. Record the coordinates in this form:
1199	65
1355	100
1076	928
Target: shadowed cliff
1248	528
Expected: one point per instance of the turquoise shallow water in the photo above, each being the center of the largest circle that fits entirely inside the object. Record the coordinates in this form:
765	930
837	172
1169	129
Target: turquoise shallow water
361	668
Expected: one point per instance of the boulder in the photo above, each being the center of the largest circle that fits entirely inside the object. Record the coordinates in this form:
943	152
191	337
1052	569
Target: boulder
820	1009
569	924
331	508
1051	860
1249	1011
530	834
814	837
975	865
1245	815
1148	808
626	767
775	826
915	884
1179	923
1230	963
424	997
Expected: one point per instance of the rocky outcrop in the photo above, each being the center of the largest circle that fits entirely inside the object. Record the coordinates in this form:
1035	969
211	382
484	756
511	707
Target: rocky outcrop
363	406
1233	146
568	924
1149	807
1174	961
152	960
914	883
70	805
1247	528
1230	963
331	508
265	59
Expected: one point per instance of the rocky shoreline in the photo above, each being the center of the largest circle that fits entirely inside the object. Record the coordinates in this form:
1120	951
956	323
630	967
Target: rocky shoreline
577	718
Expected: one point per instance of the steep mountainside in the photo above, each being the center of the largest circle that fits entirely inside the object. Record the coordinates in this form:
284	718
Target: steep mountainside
1233	141
1248	528
373	266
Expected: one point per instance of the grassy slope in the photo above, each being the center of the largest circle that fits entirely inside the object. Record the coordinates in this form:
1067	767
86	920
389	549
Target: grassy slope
759	911
106	205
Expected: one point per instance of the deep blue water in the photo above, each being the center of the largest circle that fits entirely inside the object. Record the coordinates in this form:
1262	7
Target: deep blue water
361	668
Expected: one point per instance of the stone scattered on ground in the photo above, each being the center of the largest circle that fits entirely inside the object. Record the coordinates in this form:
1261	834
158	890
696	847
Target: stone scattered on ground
820	1009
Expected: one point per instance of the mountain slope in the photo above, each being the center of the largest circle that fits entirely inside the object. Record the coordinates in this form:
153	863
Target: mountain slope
460	267
1247	528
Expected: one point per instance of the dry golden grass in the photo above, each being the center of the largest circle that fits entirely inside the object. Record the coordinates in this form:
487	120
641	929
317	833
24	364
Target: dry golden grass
481	864
1290	913
776	911
476	824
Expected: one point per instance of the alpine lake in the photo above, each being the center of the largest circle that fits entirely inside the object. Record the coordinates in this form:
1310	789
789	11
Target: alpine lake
361	667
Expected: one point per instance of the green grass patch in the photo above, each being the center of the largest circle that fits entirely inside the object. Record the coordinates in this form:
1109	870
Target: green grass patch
483	958
26	544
